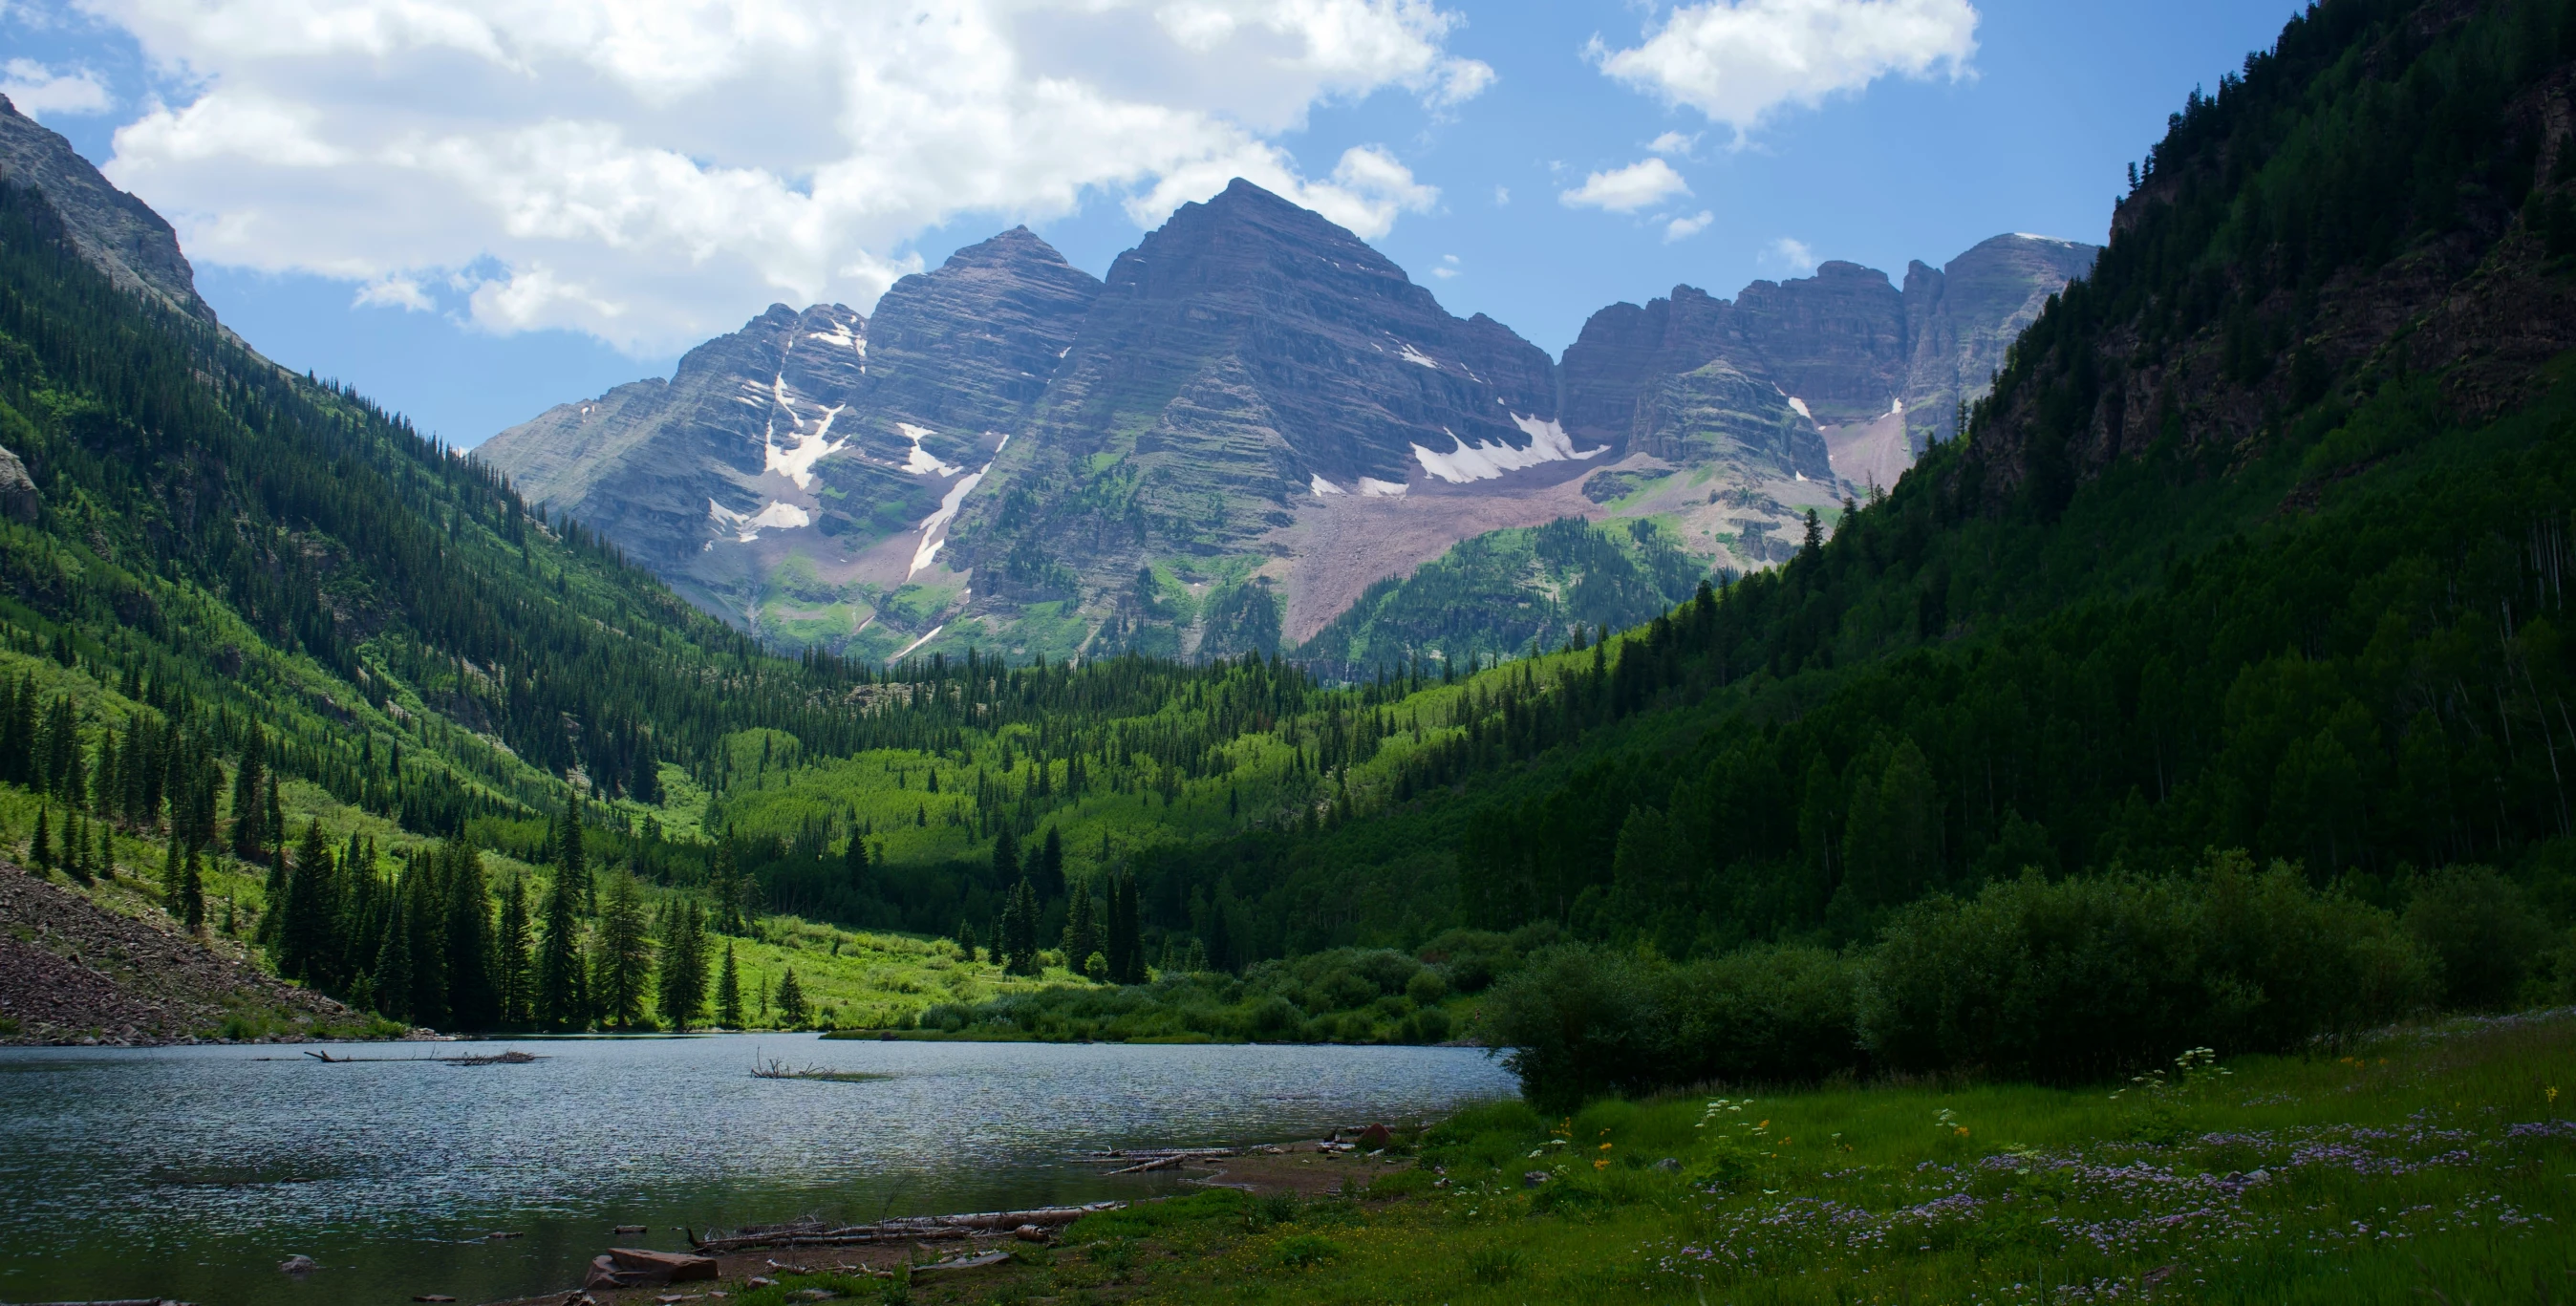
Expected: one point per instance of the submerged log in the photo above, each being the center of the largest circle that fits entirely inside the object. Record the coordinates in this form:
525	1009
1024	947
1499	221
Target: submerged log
630	1267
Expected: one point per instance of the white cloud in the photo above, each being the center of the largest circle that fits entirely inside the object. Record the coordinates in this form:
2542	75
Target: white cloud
652	171
1502	196
393	292
1791	256
1448	267
1737	61
1628	189
1368	188
40	92
1673	143
1685	228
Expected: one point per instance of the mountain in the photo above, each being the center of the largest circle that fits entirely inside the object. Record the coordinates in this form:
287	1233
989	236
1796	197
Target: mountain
1256	419
115	232
796	476
1838	376
1260	415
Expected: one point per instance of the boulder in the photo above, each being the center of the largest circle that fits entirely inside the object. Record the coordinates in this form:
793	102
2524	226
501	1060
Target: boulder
18	498
297	1265
1374	1137
629	1267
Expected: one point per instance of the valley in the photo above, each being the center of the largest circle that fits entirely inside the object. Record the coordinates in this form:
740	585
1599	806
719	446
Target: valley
2072	730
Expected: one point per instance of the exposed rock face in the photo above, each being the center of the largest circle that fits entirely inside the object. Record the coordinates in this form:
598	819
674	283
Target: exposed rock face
794	474
1219	448
1843	349
1961	318
117	233
18	498
664	467
1246	360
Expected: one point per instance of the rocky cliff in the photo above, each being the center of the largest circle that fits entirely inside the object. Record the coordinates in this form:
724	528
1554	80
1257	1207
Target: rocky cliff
1252	420
799	475
117	233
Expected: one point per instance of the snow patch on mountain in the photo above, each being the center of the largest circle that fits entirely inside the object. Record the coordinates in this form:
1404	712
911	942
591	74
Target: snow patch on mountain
1488	460
922	462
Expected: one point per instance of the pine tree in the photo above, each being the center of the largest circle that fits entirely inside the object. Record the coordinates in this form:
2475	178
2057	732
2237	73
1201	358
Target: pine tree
192	894
1118	936
1048	874
40	848
510	962
625	955
304	930
966	939
1081	930
250	790
473	987
729	992
1124	904
792	1012
562	997
425	912
681	988
1006	858
393	986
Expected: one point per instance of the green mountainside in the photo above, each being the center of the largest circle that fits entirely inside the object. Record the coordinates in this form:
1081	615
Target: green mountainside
2259	543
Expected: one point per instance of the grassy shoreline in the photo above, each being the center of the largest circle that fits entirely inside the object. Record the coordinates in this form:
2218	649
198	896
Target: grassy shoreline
2431	1162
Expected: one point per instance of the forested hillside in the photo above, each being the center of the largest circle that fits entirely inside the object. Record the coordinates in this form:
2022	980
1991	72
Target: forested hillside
2259	544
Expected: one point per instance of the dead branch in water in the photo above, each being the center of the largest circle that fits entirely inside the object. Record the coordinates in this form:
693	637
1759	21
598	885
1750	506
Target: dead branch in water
817	1234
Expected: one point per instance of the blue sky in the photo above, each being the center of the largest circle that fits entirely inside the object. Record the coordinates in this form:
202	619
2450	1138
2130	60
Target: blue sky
471	221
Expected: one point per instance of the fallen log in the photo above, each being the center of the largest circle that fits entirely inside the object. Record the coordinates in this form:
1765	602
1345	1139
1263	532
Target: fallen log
969	1263
1158	1163
895	1230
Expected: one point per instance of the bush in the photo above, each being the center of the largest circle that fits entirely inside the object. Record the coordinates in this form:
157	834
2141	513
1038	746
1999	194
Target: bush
1581	1022
2480	932
2082	978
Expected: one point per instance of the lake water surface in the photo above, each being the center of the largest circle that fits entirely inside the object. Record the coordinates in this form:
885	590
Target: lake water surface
190	1172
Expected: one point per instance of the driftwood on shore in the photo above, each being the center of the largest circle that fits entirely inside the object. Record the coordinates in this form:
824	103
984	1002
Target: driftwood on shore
815	1233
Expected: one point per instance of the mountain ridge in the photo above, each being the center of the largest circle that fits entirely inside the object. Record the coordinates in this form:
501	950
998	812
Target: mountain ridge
1255	418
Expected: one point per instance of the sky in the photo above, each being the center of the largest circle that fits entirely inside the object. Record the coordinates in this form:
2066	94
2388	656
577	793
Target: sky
475	209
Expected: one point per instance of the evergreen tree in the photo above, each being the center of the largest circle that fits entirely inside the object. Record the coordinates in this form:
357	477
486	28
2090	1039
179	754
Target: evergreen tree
681	982
1006	858
1048	871
474	999
192	894
304	936
624	960
1081	930
393	986
250	794
729	992
425	915
1128	916
562	996
40	848
966	938
792	1012
1119	941
510	962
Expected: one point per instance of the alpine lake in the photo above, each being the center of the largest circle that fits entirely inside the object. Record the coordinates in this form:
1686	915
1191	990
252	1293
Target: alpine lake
192	1172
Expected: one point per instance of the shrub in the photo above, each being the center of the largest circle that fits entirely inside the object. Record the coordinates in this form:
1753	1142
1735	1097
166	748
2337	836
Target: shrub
2480	932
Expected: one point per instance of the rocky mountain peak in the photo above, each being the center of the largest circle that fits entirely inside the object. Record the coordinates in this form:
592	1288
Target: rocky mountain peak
117	233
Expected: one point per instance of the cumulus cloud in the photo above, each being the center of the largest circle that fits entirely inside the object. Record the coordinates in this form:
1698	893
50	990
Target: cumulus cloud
41	92
1673	143
1739	61
1626	190
1685	228
1448	267
652	171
